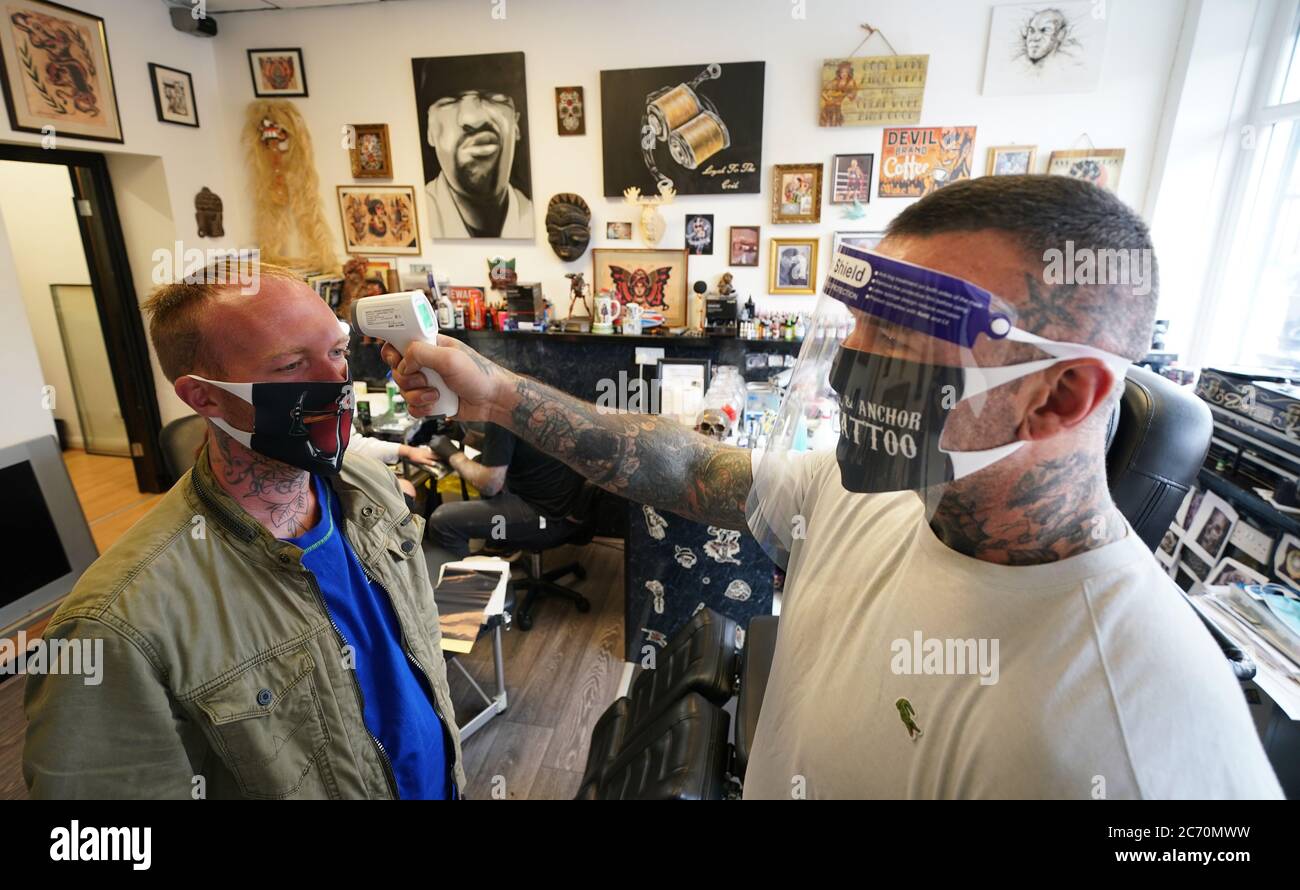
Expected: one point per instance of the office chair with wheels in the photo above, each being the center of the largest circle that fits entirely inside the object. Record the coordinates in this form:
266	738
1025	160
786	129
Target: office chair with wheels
603	515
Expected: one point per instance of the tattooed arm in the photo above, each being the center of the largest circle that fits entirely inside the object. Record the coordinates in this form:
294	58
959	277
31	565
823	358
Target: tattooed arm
641	457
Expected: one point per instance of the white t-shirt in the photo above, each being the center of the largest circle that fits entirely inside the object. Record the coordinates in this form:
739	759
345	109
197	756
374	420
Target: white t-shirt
1083	678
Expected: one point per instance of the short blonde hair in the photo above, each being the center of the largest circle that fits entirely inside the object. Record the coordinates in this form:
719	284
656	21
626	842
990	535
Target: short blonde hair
176	311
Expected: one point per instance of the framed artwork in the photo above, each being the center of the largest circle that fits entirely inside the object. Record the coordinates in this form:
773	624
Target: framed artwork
55	71
277	73
1037	48
1100	166
682	385
869	91
654	278
915	161
796	193
699	234
570	111
792	266
695	128
859	240
371	151
173	96
618	231
744	246
1007	160
851	179
379	219
492	162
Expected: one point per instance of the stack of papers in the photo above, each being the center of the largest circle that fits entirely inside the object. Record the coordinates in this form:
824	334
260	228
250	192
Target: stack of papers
1268	641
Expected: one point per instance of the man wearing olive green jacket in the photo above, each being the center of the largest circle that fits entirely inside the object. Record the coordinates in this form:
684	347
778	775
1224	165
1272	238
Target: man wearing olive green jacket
269	629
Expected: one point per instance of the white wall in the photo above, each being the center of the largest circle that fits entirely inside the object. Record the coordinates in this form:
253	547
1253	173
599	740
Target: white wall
358	70
159	168
36	202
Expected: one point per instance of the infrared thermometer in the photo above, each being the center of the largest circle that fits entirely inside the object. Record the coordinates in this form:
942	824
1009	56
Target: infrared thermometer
403	319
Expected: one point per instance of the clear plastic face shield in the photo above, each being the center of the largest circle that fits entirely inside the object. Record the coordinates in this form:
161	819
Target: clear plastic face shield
913	399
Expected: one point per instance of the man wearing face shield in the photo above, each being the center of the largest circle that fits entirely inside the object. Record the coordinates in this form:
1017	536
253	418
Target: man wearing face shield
966	612
268	630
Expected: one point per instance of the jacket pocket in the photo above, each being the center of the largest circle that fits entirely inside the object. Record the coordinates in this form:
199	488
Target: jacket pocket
268	726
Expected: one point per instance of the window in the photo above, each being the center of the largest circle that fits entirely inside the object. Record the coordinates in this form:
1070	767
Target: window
1257	319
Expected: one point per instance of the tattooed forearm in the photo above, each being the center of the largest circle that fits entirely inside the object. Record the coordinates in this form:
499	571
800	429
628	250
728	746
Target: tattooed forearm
1057	510
641	457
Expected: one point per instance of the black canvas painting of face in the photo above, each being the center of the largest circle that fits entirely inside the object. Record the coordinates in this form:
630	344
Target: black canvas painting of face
695	128
473	117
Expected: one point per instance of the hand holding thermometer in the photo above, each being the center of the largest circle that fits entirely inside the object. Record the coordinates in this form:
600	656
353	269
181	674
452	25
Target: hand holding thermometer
403	319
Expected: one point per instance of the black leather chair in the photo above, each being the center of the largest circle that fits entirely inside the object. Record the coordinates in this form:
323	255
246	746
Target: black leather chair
180	441
1156	443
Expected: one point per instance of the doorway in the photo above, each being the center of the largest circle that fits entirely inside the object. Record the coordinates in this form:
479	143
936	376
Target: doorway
76	283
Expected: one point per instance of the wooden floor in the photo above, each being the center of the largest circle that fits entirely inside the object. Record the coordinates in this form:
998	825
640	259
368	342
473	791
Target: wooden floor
560	676
108	494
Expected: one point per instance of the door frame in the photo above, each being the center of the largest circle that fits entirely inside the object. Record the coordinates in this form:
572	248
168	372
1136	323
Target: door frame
120	317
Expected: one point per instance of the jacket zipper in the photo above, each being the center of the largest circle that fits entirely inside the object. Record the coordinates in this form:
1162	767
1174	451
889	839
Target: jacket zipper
356	687
406	649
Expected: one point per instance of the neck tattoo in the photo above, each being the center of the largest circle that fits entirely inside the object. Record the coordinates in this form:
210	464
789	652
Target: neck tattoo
1058	509
277	495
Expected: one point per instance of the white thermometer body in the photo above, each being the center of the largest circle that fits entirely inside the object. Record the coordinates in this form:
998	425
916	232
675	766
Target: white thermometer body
402	319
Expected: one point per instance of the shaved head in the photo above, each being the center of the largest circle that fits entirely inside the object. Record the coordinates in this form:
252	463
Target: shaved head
1053	247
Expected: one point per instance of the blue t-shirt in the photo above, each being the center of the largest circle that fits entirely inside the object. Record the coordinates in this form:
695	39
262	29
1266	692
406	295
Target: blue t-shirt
399	708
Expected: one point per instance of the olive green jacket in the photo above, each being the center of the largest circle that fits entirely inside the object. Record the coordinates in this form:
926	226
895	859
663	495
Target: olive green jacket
223	675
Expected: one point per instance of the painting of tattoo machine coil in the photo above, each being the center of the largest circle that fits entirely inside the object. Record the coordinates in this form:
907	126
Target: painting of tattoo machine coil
687	121
402	319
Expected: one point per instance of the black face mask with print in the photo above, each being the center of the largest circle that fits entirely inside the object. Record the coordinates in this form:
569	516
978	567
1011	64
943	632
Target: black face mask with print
892	415
306	425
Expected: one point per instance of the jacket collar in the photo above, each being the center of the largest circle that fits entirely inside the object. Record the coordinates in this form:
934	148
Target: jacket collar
233	518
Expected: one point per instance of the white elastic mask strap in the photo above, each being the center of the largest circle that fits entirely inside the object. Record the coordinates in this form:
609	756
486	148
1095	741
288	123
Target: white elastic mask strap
981	380
966	462
239	390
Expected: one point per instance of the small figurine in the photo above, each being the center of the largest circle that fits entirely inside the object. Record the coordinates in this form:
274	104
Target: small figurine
501	272
724	285
578	291
207	213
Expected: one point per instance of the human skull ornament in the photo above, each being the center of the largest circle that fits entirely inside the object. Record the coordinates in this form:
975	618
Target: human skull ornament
568	226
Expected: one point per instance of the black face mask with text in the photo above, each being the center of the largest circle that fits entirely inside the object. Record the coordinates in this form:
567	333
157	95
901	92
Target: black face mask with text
892	415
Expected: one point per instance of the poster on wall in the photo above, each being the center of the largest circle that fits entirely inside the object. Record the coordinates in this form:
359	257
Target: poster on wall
1100	166
473	124
379	220
55	71
915	161
1045	48
695	128
871	91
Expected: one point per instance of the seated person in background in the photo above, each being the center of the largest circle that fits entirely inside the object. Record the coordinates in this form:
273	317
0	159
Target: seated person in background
530	501
391	453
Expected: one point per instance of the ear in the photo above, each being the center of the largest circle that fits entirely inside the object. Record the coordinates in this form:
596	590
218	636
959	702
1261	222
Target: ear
1067	395
198	395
